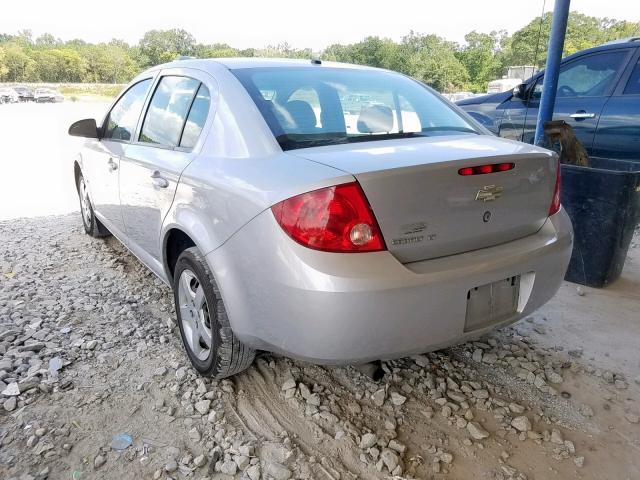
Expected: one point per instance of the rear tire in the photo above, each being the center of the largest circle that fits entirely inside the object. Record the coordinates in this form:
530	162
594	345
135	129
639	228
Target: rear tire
211	345
92	226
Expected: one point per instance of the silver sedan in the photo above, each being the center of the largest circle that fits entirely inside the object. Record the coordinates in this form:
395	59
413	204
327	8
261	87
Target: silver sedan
329	212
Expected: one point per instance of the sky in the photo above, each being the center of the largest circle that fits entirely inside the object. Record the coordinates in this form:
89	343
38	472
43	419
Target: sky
251	23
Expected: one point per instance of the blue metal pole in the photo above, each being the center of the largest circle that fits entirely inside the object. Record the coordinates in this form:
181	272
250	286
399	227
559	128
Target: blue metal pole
552	70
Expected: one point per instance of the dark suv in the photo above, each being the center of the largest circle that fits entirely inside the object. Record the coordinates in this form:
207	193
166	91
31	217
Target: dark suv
598	95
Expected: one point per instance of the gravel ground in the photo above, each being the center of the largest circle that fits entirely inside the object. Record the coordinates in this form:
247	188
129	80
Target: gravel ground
95	384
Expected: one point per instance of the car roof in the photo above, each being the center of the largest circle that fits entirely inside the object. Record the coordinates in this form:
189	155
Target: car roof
234	63
631	42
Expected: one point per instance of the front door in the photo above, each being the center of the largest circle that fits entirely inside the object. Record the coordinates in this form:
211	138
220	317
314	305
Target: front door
152	164
101	163
584	85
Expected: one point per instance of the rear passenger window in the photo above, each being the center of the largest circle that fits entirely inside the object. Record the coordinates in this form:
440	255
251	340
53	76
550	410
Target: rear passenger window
169	107
196	119
633	85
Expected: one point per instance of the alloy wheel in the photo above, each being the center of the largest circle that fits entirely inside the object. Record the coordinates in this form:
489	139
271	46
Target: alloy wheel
85	203
194	314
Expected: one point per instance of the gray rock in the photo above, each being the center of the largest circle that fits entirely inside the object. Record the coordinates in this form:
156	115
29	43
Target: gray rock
620	384
522	424
181	373
242	461
171	466
397	399
12	390
229	467
556	437
397	446
199	461
477	355
314	399
553	377
368	440
446	457
389	458
304	390
277	471
378	397
289	384
203	406
10	404
253	472
489	358
99	461
476	431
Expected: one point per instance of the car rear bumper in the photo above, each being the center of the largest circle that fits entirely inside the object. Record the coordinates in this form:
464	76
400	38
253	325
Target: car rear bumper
350	308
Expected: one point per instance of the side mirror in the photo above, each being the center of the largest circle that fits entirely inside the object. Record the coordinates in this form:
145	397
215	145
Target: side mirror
86	128
519	91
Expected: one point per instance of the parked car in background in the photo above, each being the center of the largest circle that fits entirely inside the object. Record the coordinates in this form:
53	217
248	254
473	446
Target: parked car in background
502	85
24	93
598	95
43	95
284	224
454	97
8	95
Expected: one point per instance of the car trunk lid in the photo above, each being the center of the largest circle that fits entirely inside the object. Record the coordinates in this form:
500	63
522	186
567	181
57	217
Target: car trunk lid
426	209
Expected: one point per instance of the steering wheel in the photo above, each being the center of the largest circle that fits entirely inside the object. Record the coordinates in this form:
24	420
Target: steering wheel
566	91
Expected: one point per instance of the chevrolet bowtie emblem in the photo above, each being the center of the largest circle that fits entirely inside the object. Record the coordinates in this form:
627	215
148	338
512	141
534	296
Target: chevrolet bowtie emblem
489	193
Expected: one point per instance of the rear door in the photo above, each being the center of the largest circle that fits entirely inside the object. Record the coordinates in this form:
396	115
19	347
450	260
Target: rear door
618	134
584	85
168	138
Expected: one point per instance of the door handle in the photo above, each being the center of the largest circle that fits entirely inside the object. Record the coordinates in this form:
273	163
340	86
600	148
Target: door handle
159	180
582	115
113	166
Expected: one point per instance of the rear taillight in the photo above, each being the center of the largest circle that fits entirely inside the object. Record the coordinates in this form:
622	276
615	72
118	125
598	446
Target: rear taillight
332	219
555	201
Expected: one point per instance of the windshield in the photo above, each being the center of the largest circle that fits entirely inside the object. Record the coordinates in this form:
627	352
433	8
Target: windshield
308	107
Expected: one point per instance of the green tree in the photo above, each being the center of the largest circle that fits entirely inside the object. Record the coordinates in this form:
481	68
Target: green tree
20	67
480	56
372	51
4	69
160	46
583	32
433	61
217	50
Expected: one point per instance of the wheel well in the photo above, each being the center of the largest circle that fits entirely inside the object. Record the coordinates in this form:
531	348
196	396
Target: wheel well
177	241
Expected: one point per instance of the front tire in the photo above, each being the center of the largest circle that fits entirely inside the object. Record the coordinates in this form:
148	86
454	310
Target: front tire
91	224
211	345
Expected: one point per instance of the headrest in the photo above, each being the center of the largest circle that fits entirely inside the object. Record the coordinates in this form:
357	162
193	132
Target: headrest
302	115
375	119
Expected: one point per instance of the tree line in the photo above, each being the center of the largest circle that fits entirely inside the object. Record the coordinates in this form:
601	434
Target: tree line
446	66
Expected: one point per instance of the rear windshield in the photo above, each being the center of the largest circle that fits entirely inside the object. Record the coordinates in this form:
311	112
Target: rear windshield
308	107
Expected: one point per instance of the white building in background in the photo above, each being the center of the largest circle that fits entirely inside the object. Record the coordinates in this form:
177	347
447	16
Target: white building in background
514	77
